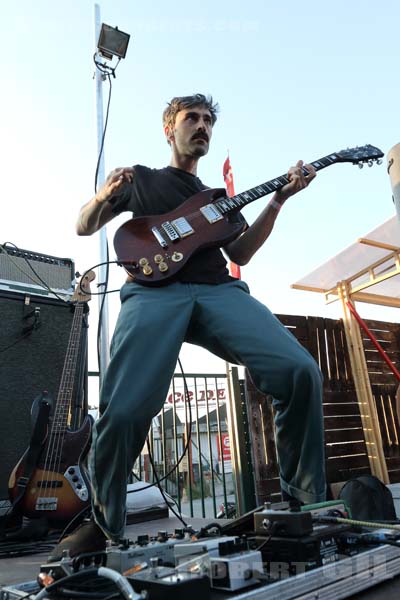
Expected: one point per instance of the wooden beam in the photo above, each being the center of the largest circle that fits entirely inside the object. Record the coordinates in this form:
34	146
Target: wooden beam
377	244
369	415
376	299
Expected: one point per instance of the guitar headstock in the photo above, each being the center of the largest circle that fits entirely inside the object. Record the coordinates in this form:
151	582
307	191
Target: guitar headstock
360	155
82	291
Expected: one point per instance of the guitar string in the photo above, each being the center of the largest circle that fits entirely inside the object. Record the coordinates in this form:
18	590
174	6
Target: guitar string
276	184
55	446
56	441
64	401
242	196
46	485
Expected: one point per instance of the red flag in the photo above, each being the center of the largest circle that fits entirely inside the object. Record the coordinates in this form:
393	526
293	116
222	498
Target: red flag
230	188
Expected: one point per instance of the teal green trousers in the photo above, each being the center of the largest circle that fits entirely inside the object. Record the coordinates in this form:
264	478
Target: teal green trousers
226	320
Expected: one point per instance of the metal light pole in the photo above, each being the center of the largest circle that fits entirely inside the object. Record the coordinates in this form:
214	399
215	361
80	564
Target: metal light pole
103	300
394	173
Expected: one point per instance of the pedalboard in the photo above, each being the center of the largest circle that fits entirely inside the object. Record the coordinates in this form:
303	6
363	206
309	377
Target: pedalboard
283	544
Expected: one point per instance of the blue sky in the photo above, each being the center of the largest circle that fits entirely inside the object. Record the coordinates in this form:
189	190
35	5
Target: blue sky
293	80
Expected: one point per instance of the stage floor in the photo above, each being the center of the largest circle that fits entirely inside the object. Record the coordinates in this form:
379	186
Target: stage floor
19	569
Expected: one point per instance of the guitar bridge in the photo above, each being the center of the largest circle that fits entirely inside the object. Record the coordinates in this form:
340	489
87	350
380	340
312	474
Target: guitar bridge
159	237
46	504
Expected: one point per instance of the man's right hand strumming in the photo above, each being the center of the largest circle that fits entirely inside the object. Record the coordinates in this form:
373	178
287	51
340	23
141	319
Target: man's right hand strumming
113	182
98	211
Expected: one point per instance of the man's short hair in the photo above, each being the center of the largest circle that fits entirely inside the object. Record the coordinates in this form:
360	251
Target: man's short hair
182	102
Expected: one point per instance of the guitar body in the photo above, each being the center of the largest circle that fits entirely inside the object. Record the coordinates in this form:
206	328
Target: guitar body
136	242
58	488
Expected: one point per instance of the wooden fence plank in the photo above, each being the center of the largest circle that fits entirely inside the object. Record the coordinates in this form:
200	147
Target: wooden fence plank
326	342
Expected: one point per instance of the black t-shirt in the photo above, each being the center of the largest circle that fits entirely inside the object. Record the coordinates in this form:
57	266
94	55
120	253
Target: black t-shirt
157	191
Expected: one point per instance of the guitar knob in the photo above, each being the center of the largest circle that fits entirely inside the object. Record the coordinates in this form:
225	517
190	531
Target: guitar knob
143	262
177	256
147	270
158	259
163	267
370	163
360	165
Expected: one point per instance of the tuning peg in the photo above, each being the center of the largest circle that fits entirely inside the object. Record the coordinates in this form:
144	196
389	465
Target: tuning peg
360	165
370	163
379	161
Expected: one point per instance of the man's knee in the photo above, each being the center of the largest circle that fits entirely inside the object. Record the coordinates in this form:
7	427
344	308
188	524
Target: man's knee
305	369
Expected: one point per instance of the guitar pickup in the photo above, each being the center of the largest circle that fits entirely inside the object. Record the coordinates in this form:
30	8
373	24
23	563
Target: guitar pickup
183	227
211	213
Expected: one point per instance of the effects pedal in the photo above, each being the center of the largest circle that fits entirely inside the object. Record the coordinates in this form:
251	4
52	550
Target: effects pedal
236	567
228	561
210	546
128	556
293	555
164	582
291	522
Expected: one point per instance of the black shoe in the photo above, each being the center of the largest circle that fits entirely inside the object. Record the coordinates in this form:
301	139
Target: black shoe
87	538
291	499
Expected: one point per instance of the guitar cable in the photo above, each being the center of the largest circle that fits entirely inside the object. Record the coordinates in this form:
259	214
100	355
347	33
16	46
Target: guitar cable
105	70
186	447
175	467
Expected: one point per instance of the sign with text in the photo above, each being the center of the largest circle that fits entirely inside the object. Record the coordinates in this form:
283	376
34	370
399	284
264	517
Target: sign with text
224	453
202	396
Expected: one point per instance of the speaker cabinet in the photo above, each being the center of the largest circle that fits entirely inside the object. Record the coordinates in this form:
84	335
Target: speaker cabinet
34	335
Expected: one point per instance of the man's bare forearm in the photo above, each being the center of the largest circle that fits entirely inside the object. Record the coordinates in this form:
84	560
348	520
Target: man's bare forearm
243	248
98	211
92	216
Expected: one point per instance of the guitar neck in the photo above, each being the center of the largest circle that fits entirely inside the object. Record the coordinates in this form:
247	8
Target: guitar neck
64	398
234	203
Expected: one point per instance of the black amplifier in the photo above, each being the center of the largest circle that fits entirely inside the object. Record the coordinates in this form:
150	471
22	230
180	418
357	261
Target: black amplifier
34	273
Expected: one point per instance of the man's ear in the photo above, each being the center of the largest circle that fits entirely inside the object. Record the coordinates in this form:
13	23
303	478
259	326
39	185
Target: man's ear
168	134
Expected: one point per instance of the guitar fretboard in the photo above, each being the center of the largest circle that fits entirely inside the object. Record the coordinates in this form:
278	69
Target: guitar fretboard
226	205
64	398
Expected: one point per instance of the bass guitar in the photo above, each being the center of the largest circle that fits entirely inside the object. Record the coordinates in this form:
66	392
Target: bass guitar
56	487
153	249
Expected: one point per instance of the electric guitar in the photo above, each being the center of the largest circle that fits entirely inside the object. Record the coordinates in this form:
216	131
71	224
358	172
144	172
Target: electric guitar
57	487
153	249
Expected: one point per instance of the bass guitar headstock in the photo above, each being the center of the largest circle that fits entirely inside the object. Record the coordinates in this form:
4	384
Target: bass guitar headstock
82	291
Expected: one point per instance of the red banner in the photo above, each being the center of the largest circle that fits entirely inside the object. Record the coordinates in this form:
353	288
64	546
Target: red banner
230	188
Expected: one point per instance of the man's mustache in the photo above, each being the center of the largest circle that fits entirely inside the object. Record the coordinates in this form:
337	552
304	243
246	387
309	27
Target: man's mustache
201	136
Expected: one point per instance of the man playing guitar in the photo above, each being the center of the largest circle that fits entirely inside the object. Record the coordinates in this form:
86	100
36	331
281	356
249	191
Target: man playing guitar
202	304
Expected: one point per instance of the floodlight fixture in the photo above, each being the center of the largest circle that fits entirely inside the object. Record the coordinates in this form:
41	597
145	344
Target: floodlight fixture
112	42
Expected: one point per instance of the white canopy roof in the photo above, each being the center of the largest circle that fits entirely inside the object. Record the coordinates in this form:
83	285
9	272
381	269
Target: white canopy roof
374	260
